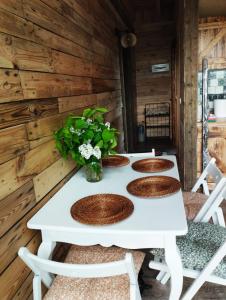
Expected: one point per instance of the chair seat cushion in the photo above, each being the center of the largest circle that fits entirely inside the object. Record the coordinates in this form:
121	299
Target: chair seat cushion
199	245
115	287
193	203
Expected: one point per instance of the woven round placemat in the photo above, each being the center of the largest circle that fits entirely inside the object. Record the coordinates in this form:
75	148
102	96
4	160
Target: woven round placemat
115	161
102	209
153	186
151	165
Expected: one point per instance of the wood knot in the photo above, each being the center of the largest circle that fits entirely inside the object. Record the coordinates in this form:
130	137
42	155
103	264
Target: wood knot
8	40
33	110
7	86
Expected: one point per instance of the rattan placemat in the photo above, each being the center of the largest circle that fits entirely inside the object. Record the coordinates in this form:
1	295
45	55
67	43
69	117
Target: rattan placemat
115	161
152	165
153	186
101	209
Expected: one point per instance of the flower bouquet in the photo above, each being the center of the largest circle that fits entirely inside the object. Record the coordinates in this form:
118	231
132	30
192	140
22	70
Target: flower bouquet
87	139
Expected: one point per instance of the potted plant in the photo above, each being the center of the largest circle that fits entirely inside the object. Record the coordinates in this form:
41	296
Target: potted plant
87	139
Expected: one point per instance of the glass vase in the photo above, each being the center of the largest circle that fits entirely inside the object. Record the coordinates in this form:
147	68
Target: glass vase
94	171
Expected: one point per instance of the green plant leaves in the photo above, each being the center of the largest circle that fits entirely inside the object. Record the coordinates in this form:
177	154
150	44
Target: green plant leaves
80	123
88	128
107	135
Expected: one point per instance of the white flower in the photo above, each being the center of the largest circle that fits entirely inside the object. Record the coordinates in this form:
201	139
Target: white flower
89	121
107	124
72	129
78	132
86	150
97	152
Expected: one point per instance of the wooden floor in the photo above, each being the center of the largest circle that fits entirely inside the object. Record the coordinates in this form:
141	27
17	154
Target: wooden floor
157	291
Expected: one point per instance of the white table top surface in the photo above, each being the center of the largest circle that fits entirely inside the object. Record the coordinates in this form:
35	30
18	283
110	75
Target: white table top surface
164	215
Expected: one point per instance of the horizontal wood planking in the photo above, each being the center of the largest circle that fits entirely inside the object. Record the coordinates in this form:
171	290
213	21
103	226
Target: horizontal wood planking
35	143
65	9
44	127
42	85
54	41
102	85
10	284
25	55
70	65
13	6
75	102
42	15
46	180
13	142
19	234
57	57
36	160
16	26
15	206
22	112
10	86
8	178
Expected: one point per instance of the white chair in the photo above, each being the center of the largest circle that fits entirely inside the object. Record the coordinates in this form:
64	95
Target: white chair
143	154
193	201
87	280
202	249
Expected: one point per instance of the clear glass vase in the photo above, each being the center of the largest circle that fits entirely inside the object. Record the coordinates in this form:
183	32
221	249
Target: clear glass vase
94	171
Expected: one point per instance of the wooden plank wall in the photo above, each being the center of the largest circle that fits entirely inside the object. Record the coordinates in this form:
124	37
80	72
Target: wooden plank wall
155	29
212	42
188	86
56	57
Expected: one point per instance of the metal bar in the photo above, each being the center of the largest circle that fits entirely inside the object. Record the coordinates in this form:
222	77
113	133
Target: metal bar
205	112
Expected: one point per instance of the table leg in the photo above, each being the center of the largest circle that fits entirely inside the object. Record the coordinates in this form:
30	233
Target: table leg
45	249
173	260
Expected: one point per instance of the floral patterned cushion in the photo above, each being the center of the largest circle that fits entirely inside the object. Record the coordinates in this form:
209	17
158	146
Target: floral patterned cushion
199	245
114	287
193	203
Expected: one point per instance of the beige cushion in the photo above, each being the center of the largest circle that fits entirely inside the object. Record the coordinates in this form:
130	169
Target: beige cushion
115	287
193	203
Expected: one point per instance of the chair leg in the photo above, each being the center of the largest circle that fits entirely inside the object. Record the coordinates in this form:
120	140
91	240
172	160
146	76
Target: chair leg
165	278
37	291
210	267
160	275
220	216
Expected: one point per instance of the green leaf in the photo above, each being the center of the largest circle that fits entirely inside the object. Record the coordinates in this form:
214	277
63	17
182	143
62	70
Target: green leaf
112	152
89	135
114	143
87	112
99	118
79	124
102	110
100	144
107	135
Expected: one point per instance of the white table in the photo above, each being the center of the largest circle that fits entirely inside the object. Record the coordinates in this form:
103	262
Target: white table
155	223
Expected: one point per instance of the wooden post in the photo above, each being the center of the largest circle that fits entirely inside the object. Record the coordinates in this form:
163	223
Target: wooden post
188	110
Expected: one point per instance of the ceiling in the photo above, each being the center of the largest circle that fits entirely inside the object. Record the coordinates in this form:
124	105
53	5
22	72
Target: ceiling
212	8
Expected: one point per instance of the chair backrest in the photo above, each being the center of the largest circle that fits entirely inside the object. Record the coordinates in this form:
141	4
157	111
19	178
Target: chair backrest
212	203
210	170
143	154
42	267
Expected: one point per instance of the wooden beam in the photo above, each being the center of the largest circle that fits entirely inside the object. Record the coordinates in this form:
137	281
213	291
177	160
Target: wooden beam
212	25
118	5
212	43
188	115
